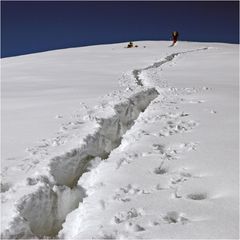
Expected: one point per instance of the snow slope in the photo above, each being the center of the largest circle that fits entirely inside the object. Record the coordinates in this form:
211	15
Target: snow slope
153	152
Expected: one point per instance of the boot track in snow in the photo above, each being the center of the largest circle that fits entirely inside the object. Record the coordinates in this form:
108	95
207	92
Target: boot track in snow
169	58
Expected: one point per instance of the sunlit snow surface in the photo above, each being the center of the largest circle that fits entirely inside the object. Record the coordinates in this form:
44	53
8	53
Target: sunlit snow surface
108	142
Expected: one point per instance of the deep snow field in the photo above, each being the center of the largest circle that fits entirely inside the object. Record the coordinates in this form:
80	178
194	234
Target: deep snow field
105	142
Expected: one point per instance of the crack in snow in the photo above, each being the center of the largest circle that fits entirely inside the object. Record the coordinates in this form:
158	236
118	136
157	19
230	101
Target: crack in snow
43	212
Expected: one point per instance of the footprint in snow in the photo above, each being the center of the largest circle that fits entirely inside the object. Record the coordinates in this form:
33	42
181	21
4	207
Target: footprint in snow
127	159
130	189
213	111
124	194
161	186
181	176
132	227
154	223
125	216
171	217
175	194
136	136
174	217
119	197
105	235
159	148
197	196
122	161
188	91
184	172
161	169
5	187
205	88
171	152
183	126
173	127
58	116
181	148
178	179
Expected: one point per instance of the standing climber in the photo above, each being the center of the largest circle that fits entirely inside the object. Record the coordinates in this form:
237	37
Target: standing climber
174	37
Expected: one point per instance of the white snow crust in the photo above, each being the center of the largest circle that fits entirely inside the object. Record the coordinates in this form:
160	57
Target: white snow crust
105	142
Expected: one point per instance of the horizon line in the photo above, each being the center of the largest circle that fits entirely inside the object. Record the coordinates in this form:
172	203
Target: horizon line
105	43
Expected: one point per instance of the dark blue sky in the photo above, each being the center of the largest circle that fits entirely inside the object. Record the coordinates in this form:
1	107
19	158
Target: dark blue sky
29	27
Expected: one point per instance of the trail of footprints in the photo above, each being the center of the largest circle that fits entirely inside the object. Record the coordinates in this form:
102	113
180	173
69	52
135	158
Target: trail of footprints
166	115
172	123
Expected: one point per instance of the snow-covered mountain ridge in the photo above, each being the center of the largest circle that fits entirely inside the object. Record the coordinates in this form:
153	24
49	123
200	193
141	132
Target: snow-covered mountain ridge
153	133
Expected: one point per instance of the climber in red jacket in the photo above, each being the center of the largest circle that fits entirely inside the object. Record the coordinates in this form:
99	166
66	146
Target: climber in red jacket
174	37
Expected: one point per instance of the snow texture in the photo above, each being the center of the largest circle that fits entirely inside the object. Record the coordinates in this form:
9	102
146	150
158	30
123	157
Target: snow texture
153	157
